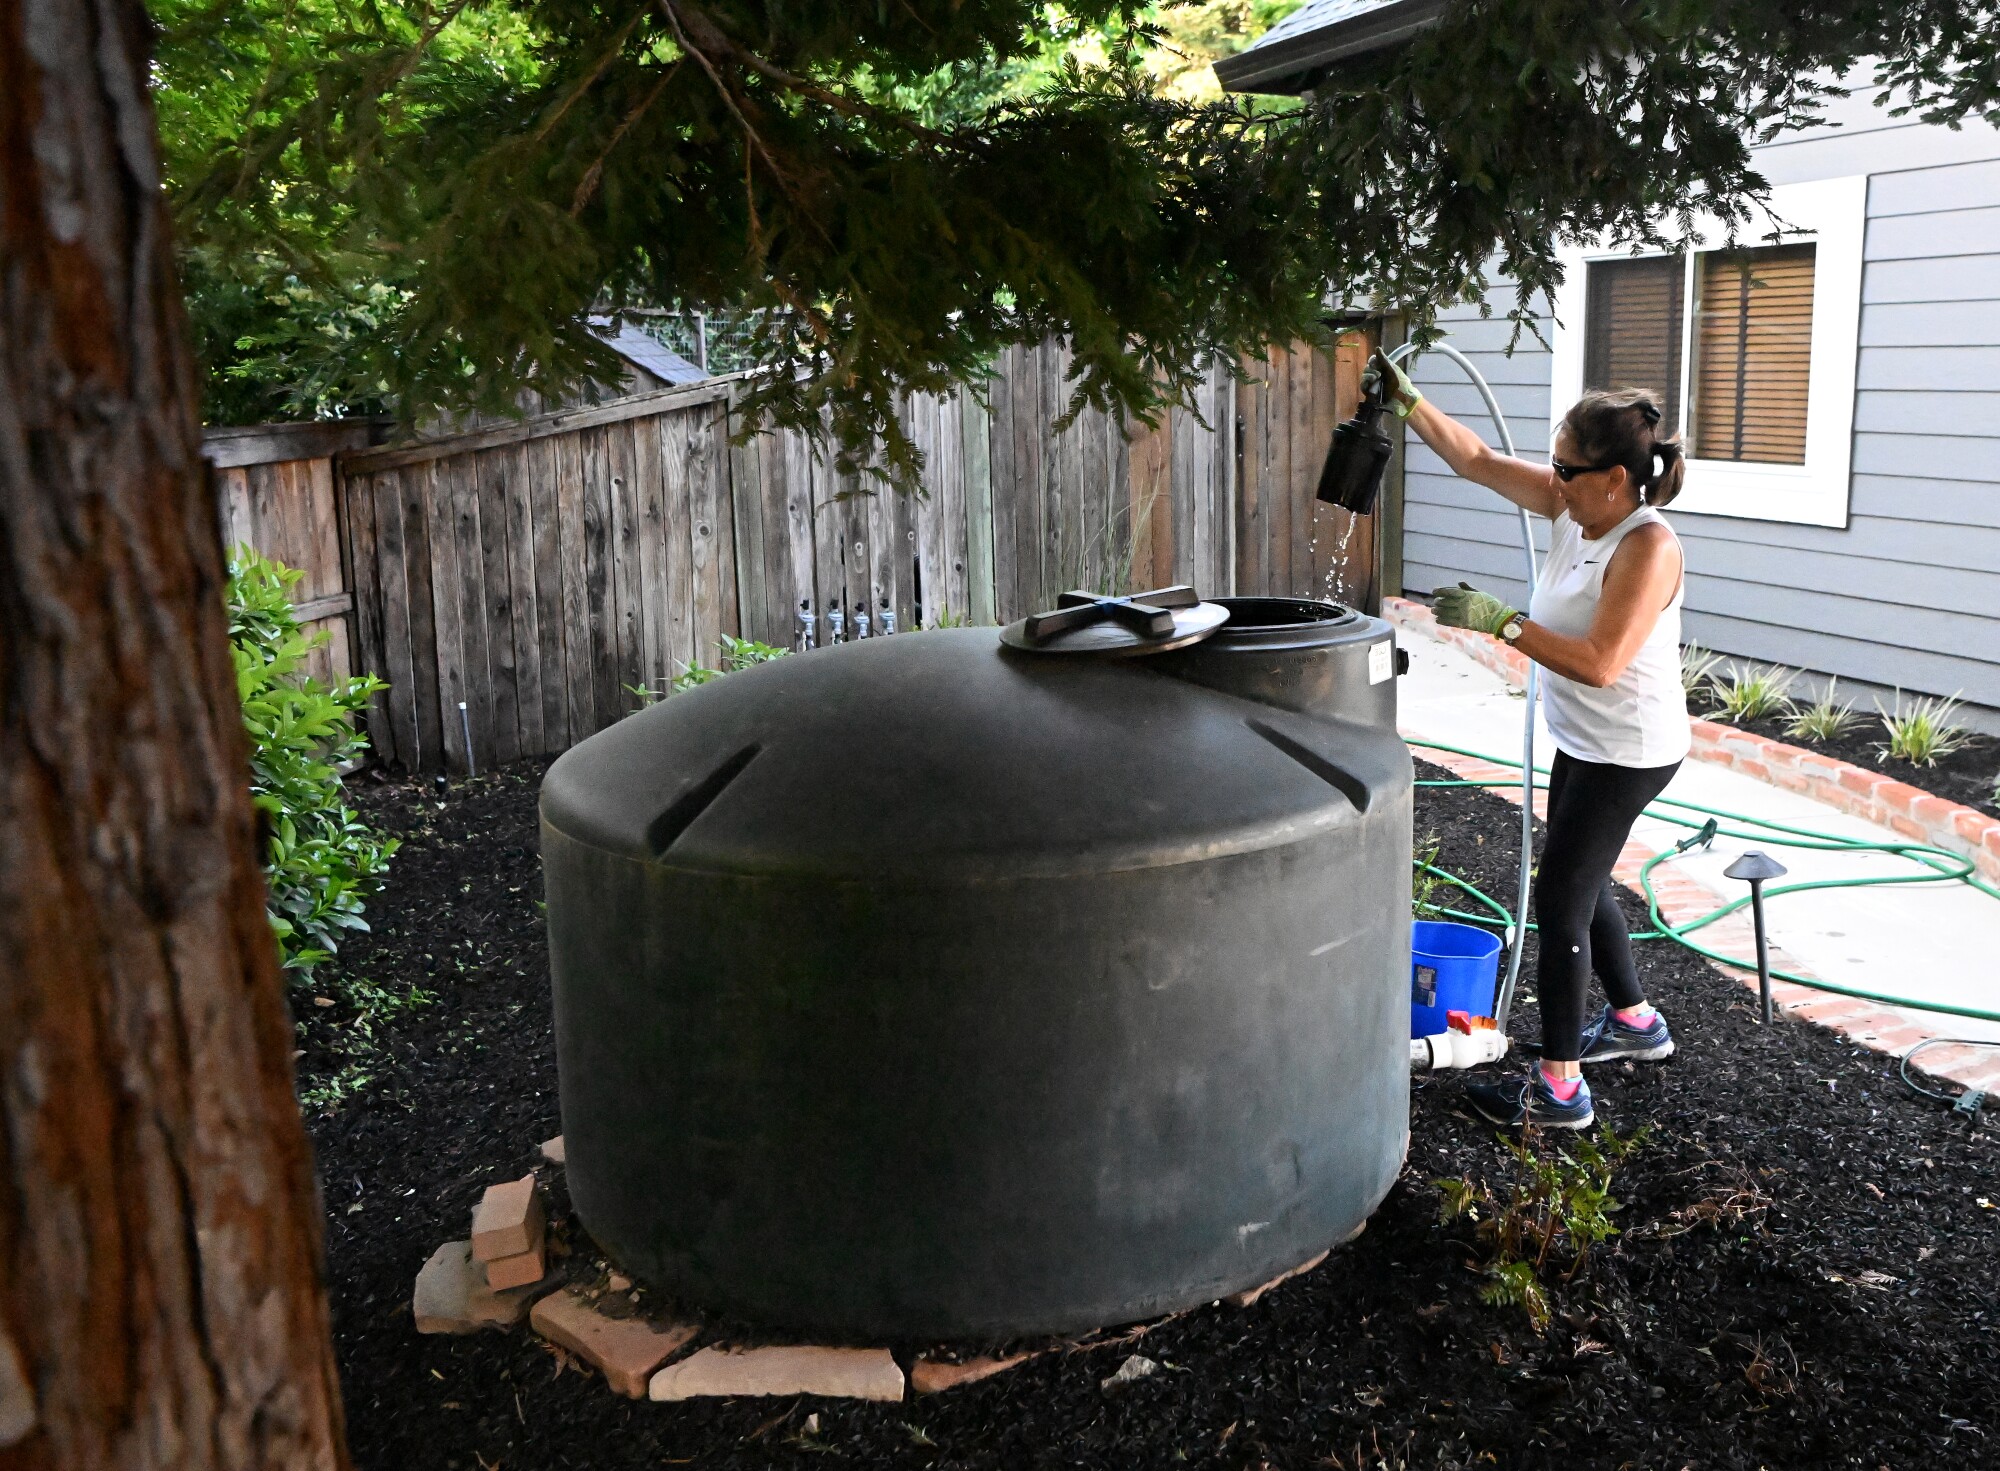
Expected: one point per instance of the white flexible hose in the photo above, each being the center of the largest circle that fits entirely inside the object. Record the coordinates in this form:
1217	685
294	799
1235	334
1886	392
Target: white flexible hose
1504	1002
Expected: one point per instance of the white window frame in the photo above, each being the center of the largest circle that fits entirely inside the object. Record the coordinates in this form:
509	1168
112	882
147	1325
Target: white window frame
1830	214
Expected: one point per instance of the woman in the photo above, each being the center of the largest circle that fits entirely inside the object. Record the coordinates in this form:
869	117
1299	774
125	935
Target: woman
1605	625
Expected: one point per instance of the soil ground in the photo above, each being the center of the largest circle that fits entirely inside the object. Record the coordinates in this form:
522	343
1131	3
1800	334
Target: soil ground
1969	776
1847	1319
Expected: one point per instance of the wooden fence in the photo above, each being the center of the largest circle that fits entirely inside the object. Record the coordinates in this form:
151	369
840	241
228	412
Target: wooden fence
277	489
545	573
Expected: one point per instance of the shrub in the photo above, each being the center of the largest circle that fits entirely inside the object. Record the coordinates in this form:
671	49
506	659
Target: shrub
1922	731
1827	719
1559	1208
321	862
1697	664
737	653
1750	693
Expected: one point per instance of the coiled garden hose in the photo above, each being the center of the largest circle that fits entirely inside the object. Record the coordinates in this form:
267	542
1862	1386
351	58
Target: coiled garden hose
1940	865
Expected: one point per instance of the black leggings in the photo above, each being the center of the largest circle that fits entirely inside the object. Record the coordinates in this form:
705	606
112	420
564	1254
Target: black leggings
1592	807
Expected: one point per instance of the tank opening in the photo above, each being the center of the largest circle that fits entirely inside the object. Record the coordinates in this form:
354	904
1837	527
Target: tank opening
1281	612
665	830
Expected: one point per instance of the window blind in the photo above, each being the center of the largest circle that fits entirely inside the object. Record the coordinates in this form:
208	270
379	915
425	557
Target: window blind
1753	354
1632	329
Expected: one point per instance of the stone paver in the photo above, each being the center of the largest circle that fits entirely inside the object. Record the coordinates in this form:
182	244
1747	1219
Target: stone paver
452	1295
835	1373
625	1350
1250	1295
934	1376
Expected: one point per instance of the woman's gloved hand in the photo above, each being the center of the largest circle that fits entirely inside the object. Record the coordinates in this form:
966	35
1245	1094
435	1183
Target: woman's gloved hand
1465	606
1398	392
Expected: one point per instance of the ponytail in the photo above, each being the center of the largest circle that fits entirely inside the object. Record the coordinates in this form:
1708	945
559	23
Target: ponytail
1622	426
1666	483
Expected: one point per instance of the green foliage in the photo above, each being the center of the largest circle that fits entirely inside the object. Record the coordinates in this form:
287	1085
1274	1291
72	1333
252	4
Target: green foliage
1431	888
1922	729
290	230
348	1031
736	653
1697	664
1556	1211
321	862
1750	693
508	170
1827	719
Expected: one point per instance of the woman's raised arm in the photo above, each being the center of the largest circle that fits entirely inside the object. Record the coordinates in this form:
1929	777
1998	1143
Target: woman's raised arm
1528	485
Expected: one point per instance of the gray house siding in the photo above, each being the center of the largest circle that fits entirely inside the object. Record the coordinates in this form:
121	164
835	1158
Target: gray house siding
1908	594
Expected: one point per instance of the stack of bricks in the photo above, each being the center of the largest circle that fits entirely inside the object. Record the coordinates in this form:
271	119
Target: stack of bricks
1873	796
509	1229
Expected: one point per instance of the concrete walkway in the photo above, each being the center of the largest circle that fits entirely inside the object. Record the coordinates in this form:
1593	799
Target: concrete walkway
1934	942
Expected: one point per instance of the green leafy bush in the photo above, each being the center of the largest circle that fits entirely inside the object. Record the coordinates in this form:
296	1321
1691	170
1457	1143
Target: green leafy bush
1826	719
1750	693
737	653
1697	665
1558	1209
1922	729
321	862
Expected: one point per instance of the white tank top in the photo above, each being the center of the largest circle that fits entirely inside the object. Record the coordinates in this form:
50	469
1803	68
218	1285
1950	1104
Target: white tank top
1639	719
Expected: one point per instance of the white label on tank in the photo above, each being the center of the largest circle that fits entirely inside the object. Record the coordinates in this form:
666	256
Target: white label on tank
1381	661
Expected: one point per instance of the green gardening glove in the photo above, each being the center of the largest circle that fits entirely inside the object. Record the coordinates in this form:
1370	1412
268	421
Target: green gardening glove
1465	606
1398	392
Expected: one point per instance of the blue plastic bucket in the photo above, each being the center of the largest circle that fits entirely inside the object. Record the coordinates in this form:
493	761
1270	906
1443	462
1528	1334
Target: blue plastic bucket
1453	967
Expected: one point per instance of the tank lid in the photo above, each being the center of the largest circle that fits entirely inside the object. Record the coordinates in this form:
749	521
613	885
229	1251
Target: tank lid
943	754
1111	626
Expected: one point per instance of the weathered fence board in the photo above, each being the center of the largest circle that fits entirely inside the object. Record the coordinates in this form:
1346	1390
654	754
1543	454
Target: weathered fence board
542	571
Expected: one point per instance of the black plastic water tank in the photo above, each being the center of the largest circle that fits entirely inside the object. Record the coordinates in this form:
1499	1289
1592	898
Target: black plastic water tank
918	987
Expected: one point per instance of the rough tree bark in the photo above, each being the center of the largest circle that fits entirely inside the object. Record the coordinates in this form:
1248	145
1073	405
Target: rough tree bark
160	1294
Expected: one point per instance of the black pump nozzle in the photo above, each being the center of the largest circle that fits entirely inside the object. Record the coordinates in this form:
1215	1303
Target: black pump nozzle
1352	476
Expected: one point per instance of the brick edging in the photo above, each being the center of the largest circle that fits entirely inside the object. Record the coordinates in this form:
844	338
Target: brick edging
1855	790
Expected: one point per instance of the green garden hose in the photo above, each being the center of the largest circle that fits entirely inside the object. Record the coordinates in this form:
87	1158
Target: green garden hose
1940	865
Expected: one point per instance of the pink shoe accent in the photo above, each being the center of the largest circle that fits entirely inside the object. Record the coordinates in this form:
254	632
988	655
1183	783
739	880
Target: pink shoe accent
1564	1088
1640	1016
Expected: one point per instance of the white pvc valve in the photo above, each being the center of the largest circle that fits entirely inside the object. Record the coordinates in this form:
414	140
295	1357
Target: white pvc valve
1458	1049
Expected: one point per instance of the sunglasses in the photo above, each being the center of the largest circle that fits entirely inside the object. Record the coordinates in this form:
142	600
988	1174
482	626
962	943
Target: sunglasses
1567	473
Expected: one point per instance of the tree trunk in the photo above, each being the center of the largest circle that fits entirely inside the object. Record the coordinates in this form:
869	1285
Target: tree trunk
160	1254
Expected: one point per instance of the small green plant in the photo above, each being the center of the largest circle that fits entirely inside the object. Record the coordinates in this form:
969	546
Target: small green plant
1750	693
1697	664
1430	887
946	619
1557	1211
736	653
321	862
1923	729
1827	719
348	1031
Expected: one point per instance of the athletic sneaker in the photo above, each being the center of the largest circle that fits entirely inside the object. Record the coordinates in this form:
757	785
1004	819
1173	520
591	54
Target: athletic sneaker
1530	1100
1607	1039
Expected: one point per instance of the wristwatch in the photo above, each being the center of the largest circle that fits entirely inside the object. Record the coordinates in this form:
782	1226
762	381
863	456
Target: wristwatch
1511	629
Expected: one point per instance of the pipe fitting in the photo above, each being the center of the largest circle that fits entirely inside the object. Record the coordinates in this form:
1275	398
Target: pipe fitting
1457	1049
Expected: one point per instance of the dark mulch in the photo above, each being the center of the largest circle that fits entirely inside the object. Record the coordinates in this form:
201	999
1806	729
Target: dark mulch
1967	776
1763	1345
